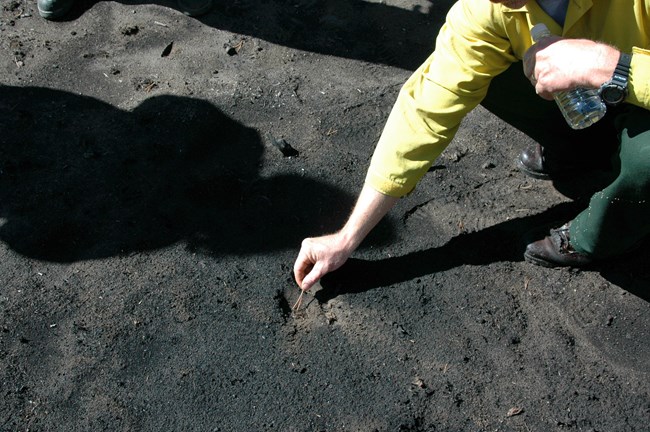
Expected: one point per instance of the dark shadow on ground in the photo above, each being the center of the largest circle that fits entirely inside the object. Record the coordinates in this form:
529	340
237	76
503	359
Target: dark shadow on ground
504	242
356	29
631	272
80	179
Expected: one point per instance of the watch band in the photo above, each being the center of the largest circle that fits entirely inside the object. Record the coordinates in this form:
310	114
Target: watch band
622	71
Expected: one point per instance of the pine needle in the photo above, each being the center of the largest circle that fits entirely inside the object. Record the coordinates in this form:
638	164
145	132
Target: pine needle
298	303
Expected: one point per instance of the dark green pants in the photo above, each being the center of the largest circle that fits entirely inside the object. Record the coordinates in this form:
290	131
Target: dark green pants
618	216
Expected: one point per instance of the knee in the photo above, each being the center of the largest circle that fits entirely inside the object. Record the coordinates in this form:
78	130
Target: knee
635	168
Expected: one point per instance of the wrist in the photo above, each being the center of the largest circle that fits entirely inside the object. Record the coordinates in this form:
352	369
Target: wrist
604	67
348	239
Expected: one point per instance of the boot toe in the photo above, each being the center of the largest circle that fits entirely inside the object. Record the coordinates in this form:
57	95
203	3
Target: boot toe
556	250
540	253
53	9
194	8
531	162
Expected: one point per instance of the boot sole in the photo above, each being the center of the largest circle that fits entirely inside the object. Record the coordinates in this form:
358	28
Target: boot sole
539	262
549	264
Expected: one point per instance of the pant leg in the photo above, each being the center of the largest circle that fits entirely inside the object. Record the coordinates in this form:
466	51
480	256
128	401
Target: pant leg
618	217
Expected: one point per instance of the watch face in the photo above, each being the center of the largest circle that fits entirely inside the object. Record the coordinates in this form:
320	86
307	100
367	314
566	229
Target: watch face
612	94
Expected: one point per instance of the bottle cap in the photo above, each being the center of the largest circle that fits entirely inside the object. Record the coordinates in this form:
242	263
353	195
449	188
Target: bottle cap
539	31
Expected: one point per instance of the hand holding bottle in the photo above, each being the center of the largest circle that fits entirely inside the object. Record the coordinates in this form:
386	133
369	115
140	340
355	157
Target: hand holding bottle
560	64
564	69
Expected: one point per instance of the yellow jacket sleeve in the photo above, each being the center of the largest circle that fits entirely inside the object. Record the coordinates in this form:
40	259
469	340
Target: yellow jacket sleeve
639	82
471	48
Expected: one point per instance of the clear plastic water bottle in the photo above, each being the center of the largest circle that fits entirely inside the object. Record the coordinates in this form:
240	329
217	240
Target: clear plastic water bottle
580	107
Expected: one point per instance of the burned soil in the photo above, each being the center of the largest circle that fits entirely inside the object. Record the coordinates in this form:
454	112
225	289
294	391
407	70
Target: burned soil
157	175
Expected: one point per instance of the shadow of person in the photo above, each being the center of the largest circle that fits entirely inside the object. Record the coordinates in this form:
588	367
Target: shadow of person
80	179
356	29
503	242
631	271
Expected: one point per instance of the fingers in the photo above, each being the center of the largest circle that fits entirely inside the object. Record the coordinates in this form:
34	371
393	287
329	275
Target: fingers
317	257
308	268
529	71
312	277
532	58
306	272
543	93
550	64
302	266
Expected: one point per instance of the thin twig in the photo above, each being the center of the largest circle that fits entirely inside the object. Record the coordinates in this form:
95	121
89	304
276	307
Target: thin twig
298	302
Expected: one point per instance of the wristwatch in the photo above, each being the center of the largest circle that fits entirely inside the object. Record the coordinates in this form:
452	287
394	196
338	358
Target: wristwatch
614	91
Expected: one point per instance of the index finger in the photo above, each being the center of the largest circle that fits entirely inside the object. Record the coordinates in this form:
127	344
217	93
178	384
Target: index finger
302	267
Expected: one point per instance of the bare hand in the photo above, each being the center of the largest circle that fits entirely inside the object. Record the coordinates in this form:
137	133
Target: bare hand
319	256
555	64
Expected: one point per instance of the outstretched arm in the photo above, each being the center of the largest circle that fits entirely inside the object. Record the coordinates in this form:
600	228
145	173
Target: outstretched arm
426	115
321	255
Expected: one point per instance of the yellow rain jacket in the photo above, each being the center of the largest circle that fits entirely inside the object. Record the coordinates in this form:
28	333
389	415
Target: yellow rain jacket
479	41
